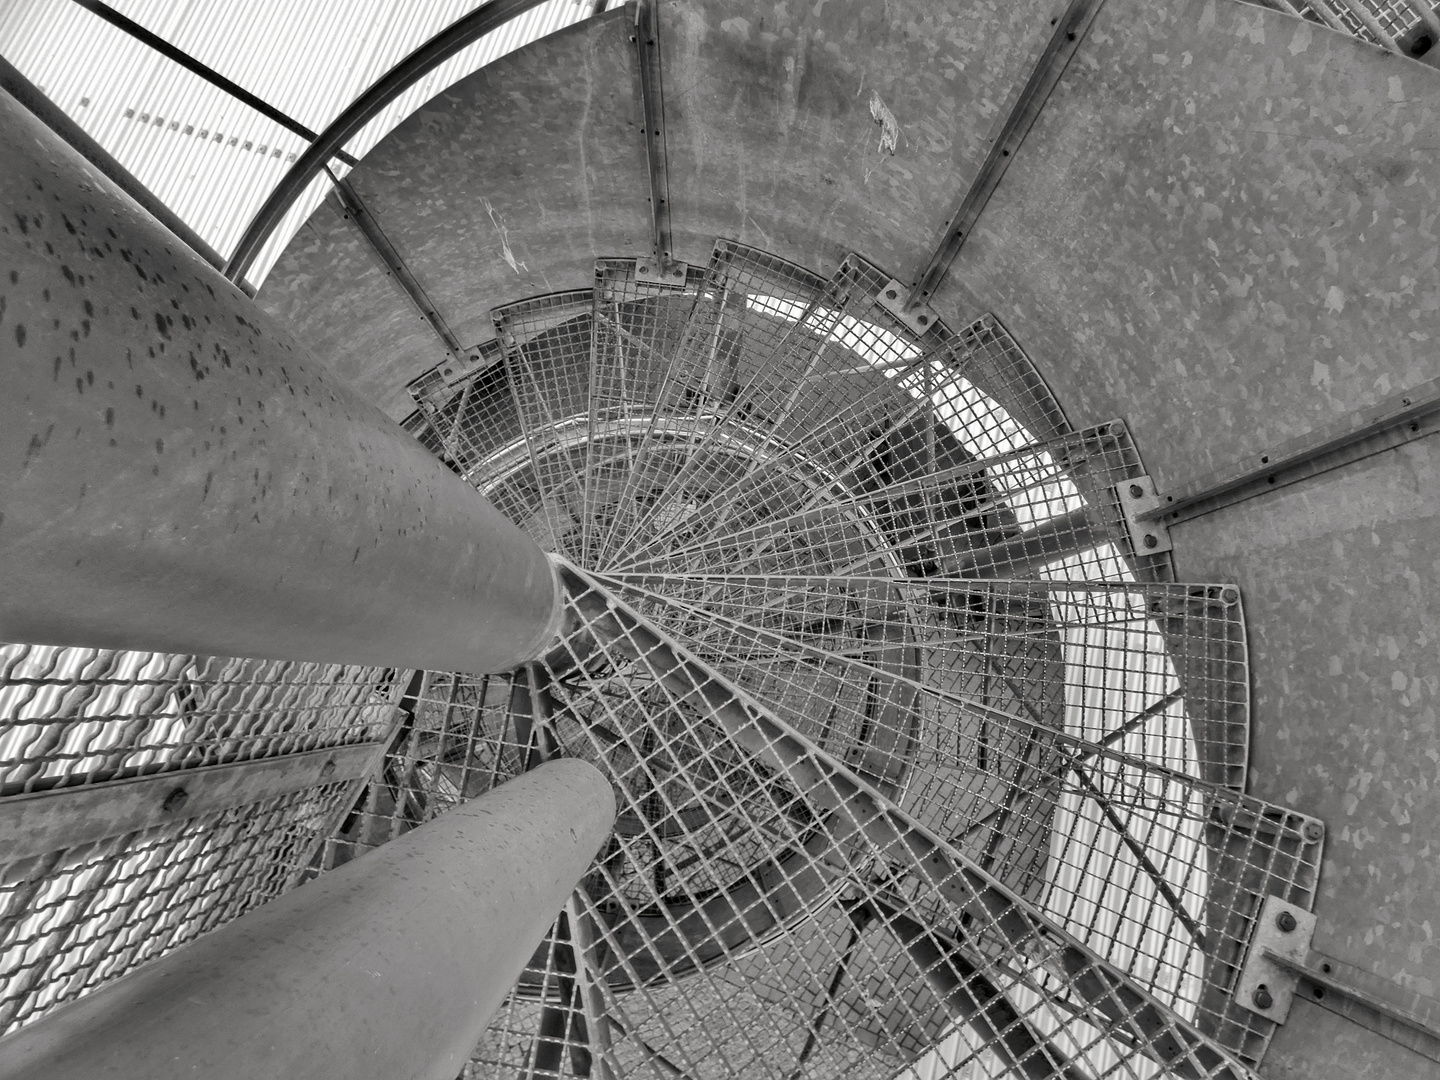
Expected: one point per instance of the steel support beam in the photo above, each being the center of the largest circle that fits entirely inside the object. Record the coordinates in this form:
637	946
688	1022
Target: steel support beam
391	965
1018	556
180	475
1069	31
354	210
652	116
1398	419
68	817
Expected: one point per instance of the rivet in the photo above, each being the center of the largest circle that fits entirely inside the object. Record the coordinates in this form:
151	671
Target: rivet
174	801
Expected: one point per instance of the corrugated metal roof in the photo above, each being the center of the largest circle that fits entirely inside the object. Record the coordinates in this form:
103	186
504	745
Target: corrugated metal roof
209	157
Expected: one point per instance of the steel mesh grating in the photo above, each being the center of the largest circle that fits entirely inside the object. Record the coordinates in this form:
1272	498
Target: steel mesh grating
922	770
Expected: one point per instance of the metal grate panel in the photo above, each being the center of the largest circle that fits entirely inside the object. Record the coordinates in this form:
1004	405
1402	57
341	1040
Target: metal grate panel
84	720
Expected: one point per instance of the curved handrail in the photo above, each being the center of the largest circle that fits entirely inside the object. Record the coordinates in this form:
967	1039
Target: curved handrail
361	111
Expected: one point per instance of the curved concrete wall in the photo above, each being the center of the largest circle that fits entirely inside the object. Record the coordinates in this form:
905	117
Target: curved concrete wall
511	182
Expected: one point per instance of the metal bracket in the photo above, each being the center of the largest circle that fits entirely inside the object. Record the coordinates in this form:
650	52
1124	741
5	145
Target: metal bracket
1069	31
1138	495
918	320
1399	419
1264	986
653	271
1282	964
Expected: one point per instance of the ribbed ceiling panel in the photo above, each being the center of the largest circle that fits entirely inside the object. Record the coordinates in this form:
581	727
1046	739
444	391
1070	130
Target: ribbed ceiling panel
212	159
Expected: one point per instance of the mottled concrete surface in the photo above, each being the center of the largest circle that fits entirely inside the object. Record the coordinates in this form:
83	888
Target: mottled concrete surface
511	182
1340	576
507	184
777	116
1222	227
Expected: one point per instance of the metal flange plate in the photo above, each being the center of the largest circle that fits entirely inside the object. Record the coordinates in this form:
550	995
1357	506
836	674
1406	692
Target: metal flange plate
1136	496
1264	986
919	321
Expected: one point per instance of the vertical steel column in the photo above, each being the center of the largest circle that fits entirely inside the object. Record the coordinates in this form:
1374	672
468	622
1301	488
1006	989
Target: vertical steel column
390	966
177	473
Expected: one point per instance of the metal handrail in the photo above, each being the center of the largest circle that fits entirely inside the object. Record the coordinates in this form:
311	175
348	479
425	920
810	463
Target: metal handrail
361	111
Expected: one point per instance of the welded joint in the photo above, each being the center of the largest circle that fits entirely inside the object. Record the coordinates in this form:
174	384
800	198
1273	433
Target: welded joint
1137	496
919	320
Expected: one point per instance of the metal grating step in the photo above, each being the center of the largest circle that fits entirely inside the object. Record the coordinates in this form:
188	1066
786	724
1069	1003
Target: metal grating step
844	598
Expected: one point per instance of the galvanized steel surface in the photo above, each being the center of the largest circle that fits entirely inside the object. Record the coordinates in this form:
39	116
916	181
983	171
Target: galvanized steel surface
778	481
181	476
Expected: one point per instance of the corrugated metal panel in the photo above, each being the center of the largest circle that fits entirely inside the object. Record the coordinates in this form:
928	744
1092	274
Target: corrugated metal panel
210	158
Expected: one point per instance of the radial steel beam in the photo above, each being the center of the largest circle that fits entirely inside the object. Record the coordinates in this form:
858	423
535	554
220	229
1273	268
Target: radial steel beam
464	31
180	475
1069	31
195	67
389	966
354	210
1401	418
652	116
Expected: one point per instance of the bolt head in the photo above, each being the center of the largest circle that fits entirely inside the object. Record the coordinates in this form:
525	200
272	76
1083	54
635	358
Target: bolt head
1262	997
1314	831
1285	921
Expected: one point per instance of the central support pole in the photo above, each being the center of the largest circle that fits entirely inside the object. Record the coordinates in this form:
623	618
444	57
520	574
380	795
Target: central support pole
390	966
177	473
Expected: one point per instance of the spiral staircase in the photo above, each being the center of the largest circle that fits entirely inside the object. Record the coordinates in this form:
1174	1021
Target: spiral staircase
926	764
845	603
